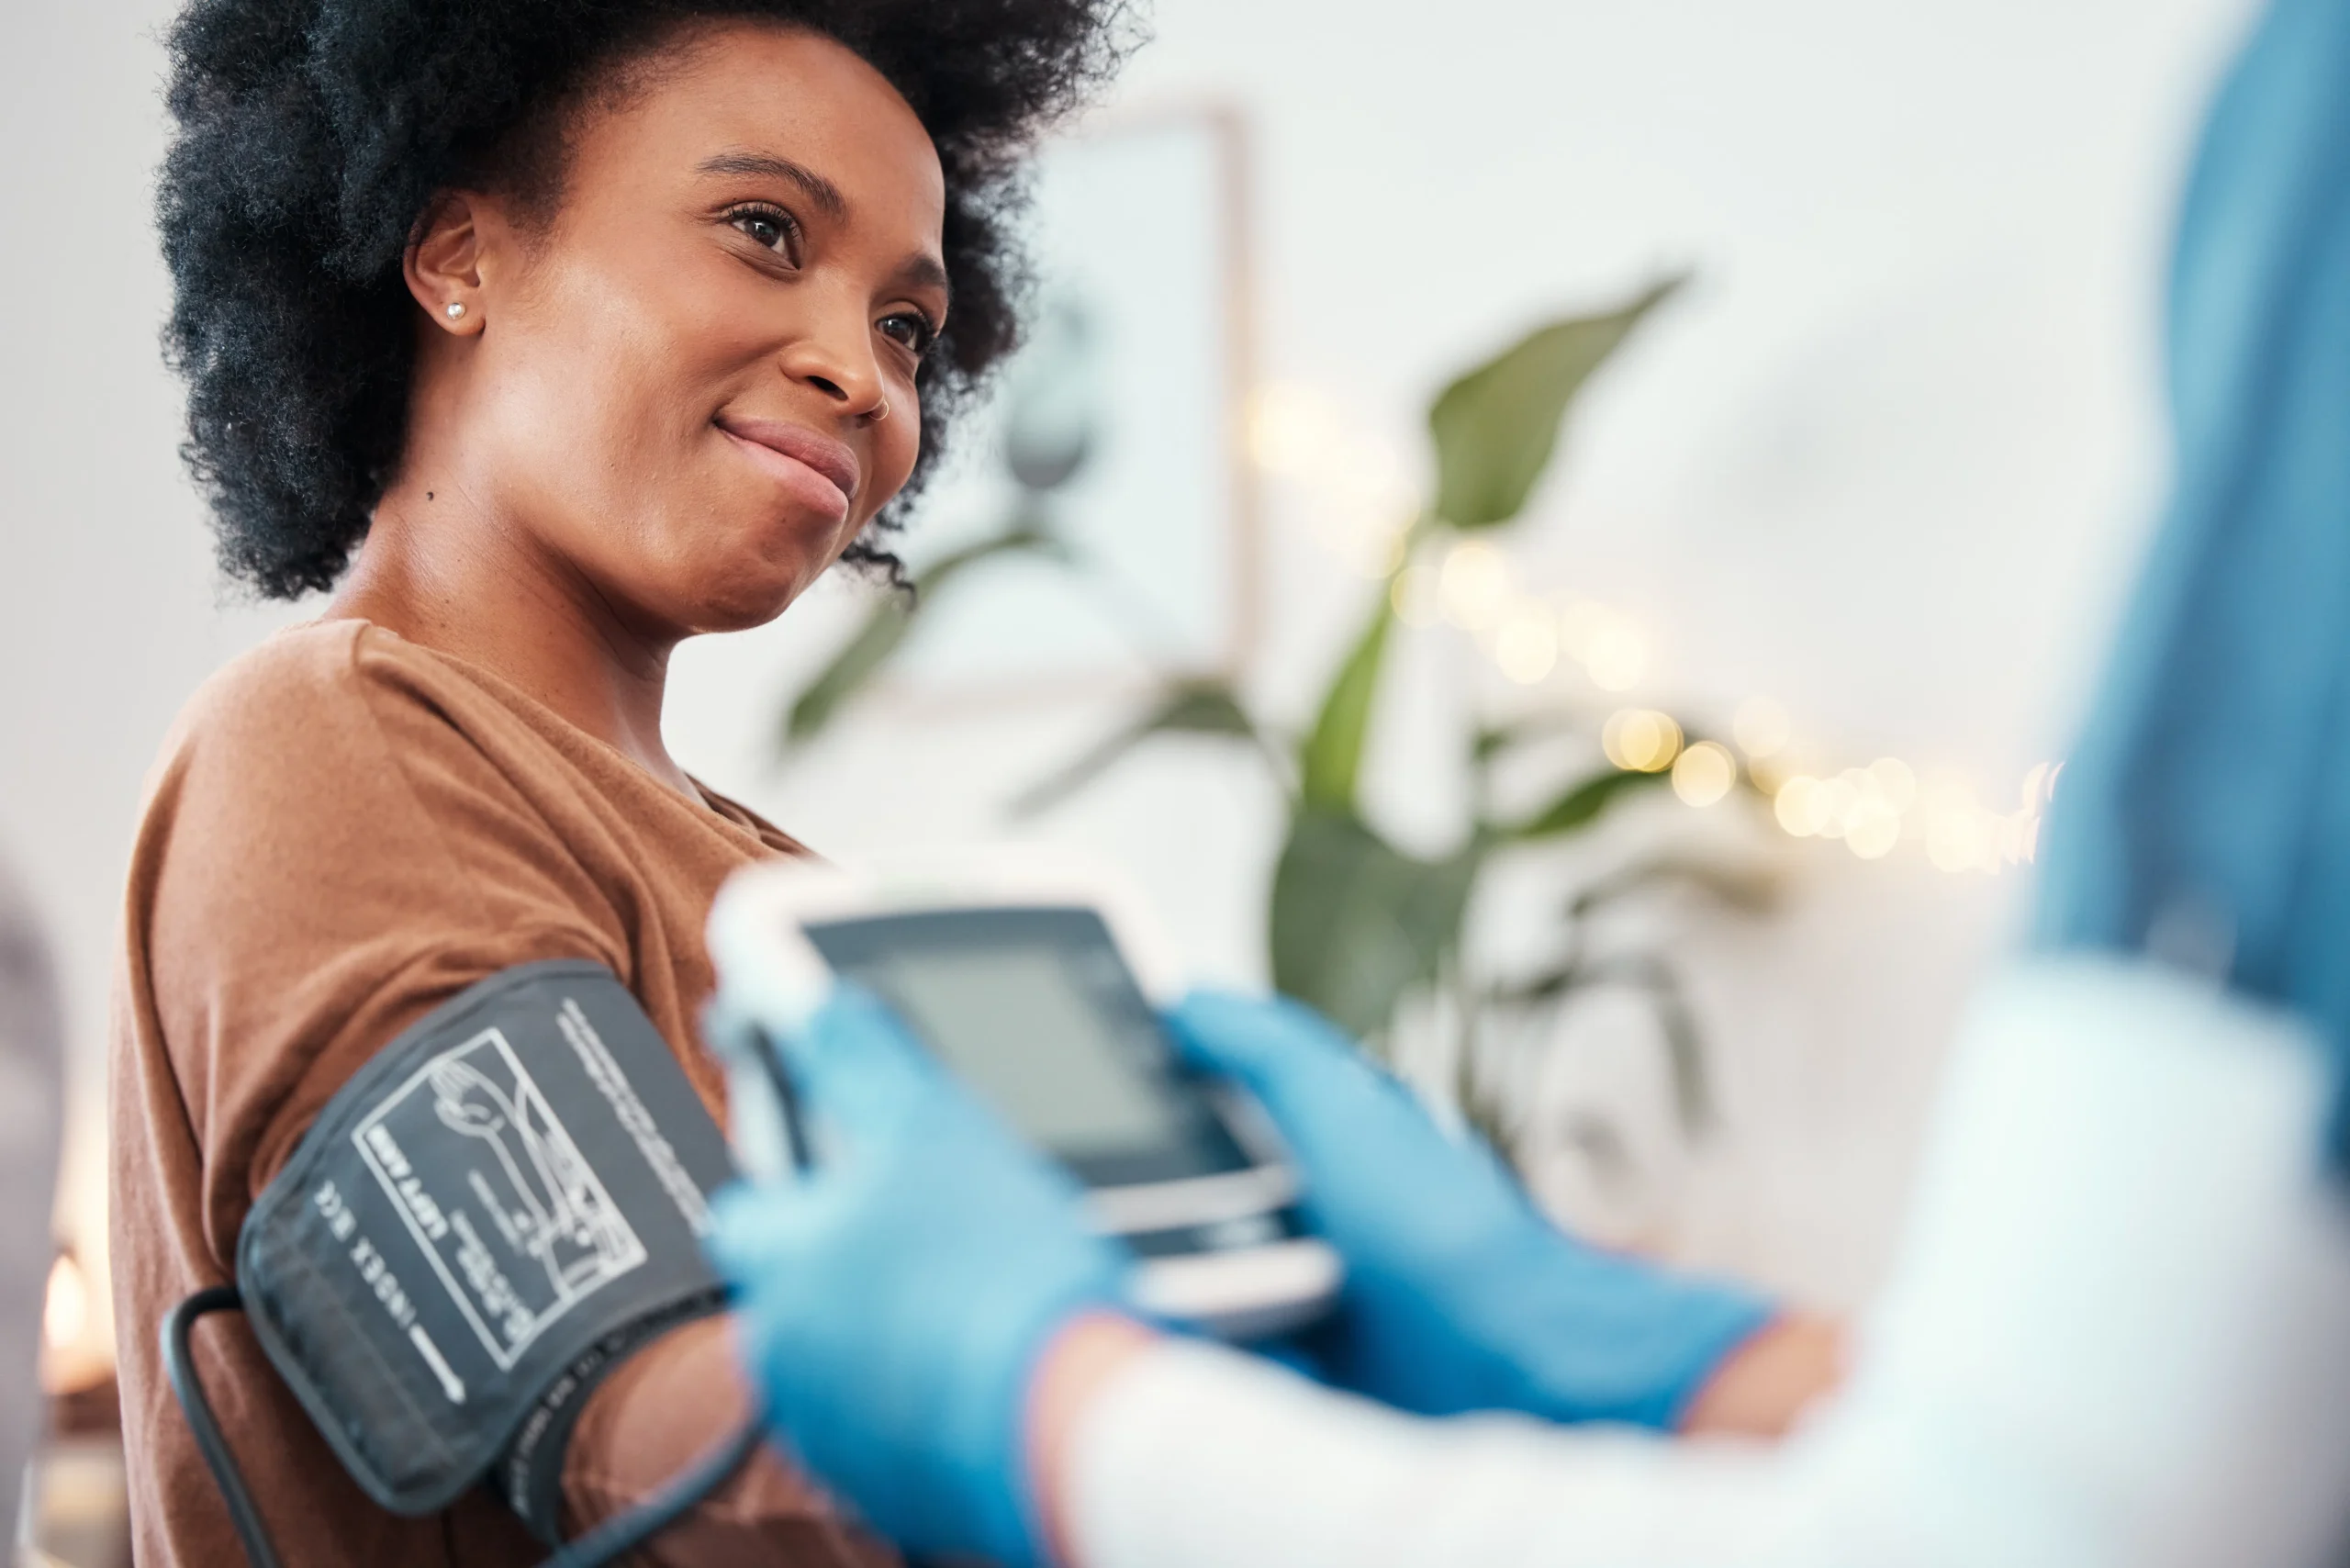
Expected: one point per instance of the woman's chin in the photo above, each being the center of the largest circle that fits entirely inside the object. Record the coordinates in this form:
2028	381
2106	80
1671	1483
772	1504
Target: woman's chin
753	579
740	606
748	592
732	558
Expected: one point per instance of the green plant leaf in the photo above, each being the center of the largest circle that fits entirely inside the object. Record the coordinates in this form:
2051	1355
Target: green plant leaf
1357	923
1206	707
884	631
1496	427
1330	759
1580	804
1492	740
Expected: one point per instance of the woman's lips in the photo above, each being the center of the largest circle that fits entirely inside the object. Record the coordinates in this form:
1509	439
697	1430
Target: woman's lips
820	472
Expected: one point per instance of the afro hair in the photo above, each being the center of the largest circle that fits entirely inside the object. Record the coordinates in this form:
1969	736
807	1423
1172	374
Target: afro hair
311	135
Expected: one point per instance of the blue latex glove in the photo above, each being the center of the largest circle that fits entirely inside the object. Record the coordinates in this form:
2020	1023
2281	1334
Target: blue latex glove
1458	1295
893	1303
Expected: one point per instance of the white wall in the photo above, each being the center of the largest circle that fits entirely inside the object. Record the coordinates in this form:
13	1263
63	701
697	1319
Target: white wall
1885	466
109	613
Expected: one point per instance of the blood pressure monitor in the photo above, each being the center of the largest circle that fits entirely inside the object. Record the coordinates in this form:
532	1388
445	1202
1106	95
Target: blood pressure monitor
1040	989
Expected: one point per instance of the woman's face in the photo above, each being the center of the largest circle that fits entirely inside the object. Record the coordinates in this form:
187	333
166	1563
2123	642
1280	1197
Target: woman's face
692	383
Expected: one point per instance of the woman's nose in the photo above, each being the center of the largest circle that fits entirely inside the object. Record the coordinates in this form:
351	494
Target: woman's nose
836	357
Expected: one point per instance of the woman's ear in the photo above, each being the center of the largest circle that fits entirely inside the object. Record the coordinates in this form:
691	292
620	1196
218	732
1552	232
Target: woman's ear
443	266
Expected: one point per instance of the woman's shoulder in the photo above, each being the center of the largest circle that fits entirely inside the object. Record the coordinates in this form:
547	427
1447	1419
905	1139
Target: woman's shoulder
280	683
330	716
307	697
337	778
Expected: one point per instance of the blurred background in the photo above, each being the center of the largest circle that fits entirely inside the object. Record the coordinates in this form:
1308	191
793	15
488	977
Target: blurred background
1856	502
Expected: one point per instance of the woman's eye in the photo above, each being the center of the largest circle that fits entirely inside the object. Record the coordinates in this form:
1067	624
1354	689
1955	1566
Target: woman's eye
770	227
909	329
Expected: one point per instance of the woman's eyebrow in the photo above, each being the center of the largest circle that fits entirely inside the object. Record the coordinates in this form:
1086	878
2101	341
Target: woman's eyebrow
765	165
926	272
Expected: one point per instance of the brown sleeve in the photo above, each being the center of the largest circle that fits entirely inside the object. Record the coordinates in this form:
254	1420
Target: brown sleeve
316	868
655	1417
327	861
325	858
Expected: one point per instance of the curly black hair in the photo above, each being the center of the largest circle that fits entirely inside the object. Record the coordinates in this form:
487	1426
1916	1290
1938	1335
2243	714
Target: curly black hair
312	134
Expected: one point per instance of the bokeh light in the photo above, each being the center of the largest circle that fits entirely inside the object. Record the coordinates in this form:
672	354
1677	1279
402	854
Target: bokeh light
1529	636
1641	740
1797	805
1833	804
1872	828
1957	840
1704	773
1962	835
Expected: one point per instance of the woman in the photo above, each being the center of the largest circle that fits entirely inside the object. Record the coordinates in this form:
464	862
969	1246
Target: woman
546	334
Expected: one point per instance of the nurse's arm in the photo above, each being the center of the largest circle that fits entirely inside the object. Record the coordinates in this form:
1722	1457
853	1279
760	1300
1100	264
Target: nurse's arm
1152	1452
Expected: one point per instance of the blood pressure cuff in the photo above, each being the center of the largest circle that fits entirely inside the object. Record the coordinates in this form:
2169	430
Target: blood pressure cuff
504	1203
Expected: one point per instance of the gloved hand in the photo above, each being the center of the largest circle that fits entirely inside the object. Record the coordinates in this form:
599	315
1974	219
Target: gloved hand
1458	1295
892	1302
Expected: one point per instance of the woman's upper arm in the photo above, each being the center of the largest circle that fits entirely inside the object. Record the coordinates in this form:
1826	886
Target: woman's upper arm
308	884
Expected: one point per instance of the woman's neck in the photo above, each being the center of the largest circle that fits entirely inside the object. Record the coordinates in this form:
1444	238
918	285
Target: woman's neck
480	591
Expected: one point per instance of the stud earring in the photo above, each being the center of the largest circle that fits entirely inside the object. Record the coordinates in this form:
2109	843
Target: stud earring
454	309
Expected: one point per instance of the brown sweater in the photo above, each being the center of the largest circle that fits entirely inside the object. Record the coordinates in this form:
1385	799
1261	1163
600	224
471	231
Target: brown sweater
344	829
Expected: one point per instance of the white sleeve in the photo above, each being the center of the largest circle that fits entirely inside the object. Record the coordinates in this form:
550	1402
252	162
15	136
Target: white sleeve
1198	1456
2117	1336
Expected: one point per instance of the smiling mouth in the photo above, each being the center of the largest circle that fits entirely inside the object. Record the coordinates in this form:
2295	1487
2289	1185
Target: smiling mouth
820	472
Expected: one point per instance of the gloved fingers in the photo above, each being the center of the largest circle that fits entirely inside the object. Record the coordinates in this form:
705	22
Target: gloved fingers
1258	1040
856	1069
1301	1068
781	1246
767	1229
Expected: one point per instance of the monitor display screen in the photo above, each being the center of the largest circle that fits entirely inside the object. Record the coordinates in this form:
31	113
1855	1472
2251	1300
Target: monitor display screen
1036	1011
